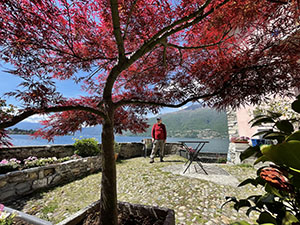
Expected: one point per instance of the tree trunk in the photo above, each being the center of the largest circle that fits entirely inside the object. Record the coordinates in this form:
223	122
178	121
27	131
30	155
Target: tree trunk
108	203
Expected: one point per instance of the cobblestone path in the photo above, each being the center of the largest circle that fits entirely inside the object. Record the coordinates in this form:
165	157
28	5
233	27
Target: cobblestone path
195	197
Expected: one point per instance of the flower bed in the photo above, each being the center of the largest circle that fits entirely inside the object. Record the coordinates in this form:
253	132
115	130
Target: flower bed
9	165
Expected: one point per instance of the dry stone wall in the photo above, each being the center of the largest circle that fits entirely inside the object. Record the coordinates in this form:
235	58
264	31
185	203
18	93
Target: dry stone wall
42	151
18	183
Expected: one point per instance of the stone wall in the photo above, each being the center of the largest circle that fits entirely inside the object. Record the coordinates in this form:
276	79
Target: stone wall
23	152
127	150
18	183
233	131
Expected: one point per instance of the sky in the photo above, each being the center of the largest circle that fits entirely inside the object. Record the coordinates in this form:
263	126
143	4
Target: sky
68	88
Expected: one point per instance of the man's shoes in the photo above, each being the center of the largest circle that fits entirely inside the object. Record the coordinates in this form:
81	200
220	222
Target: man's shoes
161	160
151	160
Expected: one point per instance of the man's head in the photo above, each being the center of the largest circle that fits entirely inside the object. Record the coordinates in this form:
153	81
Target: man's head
158	119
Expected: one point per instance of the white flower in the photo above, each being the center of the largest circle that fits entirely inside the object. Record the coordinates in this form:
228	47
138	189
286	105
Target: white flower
4	215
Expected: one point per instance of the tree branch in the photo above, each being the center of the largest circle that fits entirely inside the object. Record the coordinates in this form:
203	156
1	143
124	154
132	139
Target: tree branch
31	112
117	29
202	46
168	31
129	17
154	103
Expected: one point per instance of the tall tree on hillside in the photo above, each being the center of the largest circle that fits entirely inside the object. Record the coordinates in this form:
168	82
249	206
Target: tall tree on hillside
136	56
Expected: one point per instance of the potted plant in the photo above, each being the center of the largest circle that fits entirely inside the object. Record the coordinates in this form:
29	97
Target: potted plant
241	139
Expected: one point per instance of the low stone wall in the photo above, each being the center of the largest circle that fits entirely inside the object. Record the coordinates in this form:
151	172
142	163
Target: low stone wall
23	152
127	150
135	149
18	183
235	151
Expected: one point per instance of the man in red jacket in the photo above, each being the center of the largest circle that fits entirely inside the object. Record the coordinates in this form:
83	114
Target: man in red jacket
159	136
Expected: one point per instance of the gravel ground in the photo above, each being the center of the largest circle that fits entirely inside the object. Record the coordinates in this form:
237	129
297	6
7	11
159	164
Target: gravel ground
196	198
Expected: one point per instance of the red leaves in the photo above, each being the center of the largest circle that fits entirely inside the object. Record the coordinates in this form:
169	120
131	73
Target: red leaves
224	52
276	178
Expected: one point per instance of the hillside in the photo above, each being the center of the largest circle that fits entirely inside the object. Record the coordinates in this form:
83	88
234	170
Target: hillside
193	122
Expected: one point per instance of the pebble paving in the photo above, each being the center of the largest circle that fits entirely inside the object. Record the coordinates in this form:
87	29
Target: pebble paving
196	198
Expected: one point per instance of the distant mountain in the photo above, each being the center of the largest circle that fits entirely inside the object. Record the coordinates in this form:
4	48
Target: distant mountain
93	131
193	122
27	126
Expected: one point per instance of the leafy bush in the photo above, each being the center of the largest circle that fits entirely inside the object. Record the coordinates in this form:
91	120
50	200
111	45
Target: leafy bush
117	147
86	147
280	205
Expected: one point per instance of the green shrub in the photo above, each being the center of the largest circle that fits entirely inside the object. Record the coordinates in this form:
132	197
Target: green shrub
117	147
86	147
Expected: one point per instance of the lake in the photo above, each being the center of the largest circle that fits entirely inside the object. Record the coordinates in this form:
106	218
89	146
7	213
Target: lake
215	145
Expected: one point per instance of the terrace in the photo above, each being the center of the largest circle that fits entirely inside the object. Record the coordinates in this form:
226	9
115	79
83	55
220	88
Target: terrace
195	197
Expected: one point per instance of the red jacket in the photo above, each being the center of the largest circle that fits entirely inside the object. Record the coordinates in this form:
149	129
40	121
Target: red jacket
159	132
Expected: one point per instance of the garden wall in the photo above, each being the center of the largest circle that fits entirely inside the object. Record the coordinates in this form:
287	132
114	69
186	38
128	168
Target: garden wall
18	183
127	150
40	151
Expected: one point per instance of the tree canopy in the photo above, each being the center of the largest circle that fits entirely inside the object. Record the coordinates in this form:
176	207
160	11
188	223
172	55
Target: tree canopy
136	56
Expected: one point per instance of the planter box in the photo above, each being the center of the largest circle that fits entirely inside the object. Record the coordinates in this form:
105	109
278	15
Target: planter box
167	215
27	218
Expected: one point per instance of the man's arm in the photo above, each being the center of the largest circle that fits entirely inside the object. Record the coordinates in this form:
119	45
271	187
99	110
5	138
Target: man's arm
153	132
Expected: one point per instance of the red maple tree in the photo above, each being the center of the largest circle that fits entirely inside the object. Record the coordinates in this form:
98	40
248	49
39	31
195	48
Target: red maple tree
133	57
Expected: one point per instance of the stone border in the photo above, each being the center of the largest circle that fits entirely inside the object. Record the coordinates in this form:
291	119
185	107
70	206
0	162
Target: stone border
143	210
19	183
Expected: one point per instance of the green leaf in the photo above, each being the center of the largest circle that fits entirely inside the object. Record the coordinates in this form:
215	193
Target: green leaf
275	135
248	181
240	223
274	115
266	218
262	159
262	120
296	106
264	132
295	178
256	118
250	210
241	203
250	151
289	219
285	126
294	136
270	189
287	153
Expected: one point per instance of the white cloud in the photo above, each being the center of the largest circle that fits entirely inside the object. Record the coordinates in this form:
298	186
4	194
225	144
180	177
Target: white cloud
36	118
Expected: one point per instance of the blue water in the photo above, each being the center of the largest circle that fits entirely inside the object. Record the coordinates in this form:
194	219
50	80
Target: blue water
215	145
